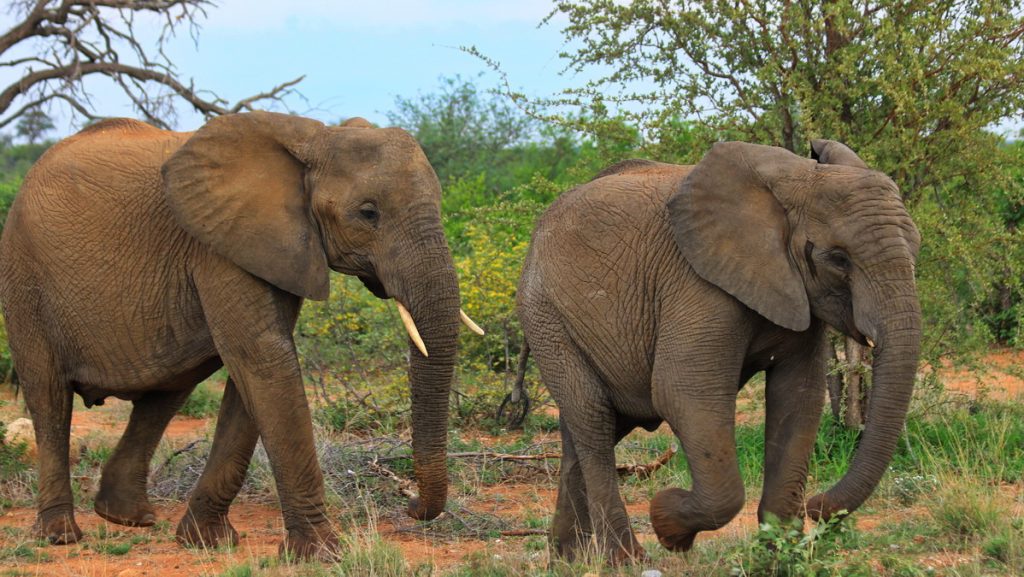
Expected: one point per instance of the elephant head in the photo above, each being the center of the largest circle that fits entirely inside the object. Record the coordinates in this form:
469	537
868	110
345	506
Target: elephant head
792	237
287	198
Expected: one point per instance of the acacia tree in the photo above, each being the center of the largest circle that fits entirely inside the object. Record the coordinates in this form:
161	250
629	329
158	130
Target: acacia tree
914	87
55	44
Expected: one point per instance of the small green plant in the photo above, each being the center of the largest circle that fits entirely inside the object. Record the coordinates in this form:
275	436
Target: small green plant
95	456
966	512
23	551
202	403
342	415
907	488
116	548
781	549
369	556
243	570
12	455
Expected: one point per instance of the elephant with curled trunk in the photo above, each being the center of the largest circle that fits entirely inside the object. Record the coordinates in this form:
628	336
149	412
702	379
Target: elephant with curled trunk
655	291
135	262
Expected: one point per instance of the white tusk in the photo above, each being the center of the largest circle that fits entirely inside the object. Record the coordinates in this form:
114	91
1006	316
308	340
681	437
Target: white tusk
871	343
469	323
410	327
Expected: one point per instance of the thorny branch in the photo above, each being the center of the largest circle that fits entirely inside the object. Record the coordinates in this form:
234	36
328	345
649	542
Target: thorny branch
56	44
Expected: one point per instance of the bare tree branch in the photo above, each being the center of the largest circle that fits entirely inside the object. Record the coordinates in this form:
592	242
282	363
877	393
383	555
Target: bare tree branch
58	43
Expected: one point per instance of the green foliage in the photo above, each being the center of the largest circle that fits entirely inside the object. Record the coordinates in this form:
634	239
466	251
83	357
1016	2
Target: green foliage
950	440
344	415
115	549
469	135
5	351
24	552
243	570
369	556
202	403
12	455
784	550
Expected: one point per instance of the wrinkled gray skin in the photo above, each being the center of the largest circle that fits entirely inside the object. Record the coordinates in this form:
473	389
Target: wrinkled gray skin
655	291
135	262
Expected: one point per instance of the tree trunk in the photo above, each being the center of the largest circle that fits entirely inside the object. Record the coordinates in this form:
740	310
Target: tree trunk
856	392
847	392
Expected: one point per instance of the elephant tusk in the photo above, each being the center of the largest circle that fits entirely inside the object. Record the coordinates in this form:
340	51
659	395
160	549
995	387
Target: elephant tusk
410	327
871	343
469	323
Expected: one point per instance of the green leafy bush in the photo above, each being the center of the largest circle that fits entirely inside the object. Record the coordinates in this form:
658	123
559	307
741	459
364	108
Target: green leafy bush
202	403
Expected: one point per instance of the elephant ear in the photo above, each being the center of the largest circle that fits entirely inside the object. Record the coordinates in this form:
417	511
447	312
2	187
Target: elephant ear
238	186
730	225
832	152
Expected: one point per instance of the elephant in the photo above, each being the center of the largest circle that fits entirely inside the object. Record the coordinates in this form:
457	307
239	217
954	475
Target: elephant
135	262
653	293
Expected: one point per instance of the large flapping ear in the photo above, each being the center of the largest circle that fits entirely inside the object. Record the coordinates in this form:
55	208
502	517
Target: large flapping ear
832	152
238	187
731	227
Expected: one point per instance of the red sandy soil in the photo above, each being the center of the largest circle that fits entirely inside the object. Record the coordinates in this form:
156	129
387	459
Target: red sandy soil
156	553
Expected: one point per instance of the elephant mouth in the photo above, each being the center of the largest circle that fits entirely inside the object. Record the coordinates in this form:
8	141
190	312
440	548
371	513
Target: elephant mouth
374	285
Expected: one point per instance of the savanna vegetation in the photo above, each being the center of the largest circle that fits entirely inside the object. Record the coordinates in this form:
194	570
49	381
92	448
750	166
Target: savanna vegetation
923	91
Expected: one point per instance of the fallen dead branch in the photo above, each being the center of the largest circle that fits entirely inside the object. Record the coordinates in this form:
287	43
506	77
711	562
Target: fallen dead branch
503	456
404	485
645	471
523	532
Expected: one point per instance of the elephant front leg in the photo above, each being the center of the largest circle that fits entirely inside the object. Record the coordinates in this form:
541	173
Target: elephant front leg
251	323
698	400
205	523
122	497
794	397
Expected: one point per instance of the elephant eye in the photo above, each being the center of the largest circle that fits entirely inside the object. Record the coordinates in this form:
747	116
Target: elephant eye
368	211
839	259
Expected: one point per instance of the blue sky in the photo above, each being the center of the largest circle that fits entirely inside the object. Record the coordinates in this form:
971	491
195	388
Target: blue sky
357	56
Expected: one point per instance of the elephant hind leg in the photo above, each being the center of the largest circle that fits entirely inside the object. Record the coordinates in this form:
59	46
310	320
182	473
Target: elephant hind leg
49	402
205	523
122	496
570	527
588	499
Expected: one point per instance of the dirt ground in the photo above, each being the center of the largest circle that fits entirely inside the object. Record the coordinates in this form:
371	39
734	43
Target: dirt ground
154	552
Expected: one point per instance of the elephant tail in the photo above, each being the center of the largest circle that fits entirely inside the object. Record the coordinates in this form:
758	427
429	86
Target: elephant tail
519	388
516	405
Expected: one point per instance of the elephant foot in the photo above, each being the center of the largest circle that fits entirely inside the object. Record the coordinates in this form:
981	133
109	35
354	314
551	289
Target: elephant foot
57	528
315	543
632	552
665	517
576	546
125	511
205	533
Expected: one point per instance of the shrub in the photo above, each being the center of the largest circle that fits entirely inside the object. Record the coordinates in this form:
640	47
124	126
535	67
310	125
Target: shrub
202	403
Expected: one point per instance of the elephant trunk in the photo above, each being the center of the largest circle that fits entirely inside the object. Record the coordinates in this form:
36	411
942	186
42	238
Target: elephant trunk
429	290
897	330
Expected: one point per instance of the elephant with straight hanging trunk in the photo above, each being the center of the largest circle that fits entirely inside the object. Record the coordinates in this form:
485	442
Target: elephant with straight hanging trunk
655	291
135	262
